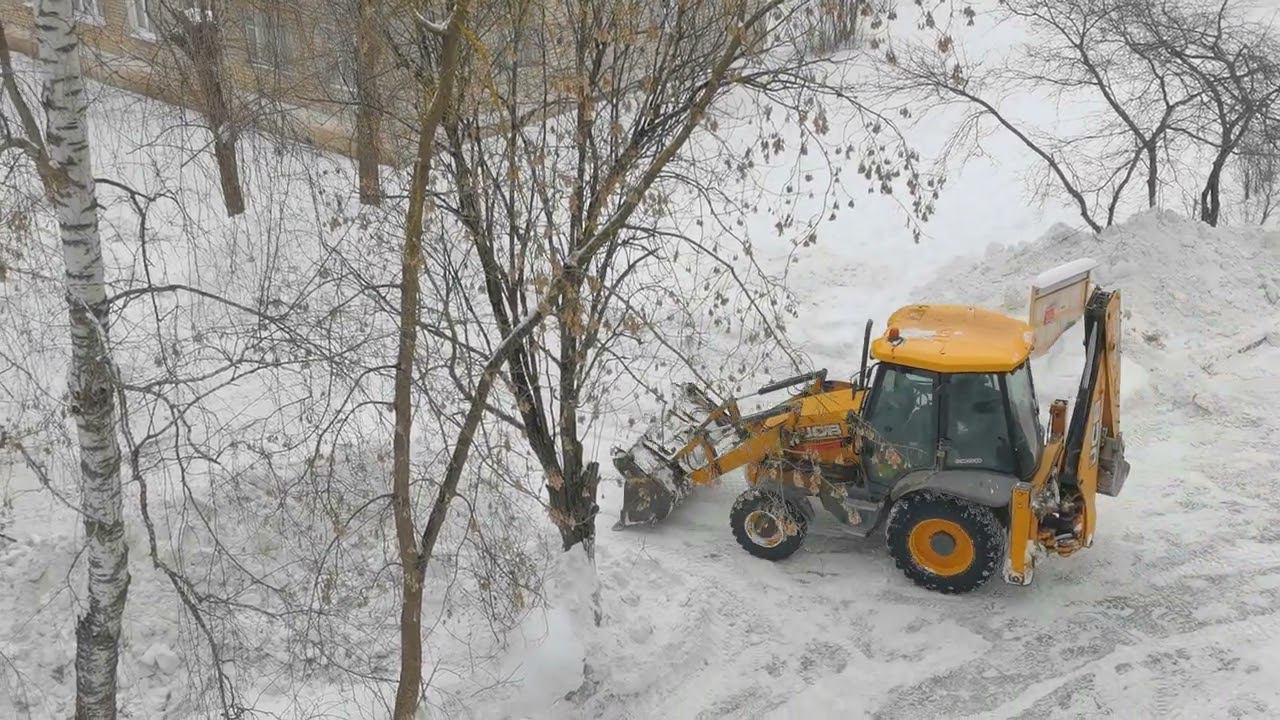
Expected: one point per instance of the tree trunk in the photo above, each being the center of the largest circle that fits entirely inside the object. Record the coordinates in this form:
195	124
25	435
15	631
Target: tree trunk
578	505
561	489
572	495
410	681
413	560
1152	174
1211	196
368	122
91	384
206	55
224	152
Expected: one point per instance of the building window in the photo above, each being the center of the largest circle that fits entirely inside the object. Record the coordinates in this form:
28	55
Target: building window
140	18
267	42
338	50
151	19
87	10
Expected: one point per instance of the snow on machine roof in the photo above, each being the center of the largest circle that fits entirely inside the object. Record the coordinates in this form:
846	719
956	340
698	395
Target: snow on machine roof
954	338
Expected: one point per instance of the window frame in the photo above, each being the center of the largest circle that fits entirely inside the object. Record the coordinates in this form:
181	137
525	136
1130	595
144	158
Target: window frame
266	24
138	27
92	16
342	74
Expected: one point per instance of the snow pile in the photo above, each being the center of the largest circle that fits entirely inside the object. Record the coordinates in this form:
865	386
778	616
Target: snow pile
1185	279
1193	295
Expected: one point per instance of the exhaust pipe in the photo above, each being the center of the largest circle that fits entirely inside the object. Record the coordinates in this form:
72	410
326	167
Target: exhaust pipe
866	354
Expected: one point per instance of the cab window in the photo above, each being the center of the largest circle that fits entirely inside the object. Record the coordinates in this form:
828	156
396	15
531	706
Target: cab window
1027	431
904	416
975	429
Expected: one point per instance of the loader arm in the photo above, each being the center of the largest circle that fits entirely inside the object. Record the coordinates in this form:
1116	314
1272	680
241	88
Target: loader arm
814	422
754	449
656	478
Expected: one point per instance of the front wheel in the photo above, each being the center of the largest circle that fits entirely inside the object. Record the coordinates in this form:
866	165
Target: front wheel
768	525
944	543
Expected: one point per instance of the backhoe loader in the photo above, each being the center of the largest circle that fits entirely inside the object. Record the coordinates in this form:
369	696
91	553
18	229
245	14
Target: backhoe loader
940	442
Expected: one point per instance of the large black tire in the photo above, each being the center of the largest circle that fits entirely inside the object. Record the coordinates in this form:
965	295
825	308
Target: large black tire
768	525
944	543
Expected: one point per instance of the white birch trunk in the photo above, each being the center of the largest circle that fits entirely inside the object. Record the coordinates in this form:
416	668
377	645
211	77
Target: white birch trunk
91	384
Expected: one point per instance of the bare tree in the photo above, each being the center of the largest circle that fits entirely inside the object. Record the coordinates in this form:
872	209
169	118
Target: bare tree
512	178
1180	82
194	30
1229	61
565	196
61	155
414	555
1090	45
1259	171
937	77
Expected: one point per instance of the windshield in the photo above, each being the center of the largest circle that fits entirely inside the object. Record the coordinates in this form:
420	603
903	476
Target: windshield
905	418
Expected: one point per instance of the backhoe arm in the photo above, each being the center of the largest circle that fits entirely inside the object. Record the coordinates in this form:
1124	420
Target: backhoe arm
1082	456
1094	460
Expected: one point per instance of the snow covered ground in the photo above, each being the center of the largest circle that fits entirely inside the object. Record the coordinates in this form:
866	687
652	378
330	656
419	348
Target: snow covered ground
1170	614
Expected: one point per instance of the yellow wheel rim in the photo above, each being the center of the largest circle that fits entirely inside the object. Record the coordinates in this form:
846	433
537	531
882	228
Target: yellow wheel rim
941	546
764	529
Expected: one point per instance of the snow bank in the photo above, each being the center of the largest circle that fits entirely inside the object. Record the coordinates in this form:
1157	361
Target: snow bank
549	650
1191	294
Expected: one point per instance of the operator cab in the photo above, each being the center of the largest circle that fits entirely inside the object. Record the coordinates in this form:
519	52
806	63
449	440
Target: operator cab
952	391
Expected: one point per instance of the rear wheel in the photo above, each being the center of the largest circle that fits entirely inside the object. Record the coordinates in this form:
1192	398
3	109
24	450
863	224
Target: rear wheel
944	543
768	525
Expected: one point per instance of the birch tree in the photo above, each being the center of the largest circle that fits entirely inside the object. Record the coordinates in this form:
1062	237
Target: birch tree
61	154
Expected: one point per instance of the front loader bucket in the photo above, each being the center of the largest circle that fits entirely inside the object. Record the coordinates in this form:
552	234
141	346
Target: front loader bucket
652	485
655	479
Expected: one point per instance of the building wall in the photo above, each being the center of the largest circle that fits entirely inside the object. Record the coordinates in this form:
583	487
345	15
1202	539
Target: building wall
304	97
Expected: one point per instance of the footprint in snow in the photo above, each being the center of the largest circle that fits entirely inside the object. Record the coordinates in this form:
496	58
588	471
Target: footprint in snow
822	658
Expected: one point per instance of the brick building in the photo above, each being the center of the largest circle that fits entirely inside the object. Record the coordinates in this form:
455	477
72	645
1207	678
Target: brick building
285	66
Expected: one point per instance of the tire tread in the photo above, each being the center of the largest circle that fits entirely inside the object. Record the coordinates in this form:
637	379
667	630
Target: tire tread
987	530
754	499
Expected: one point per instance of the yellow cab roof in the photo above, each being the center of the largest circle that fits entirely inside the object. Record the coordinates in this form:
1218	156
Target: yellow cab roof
954	338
